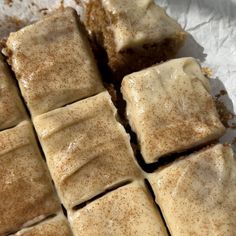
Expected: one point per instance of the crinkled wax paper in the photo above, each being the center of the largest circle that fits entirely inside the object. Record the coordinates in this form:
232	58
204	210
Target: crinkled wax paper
211	25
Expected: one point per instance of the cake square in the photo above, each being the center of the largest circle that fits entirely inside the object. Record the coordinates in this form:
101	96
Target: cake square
170	108
197	195
53	62
12	111
128	210
87	149
135	34
26	192
55	226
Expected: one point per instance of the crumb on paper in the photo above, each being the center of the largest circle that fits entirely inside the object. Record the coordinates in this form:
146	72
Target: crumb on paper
12	24
207	71
8	2
224	113
3	43
44	11
222	93
62	3
234	141
15	21
226	145
233	145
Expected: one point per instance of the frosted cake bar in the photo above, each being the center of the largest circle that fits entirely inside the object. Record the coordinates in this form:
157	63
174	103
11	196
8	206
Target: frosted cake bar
55	226
27	195
12	111
53	62
87	149
170	108
128	210
135	34
197	195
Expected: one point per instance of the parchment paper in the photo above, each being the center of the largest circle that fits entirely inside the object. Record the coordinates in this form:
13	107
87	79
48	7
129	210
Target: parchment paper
212	36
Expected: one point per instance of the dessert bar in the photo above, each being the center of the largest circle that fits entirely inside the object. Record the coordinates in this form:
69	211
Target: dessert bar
12	111
128	210
170	108
53	62
55	226
135	34
87	149
197	195
27	194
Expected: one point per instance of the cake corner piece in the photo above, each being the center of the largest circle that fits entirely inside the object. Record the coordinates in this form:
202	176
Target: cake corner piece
53	62
135	34
198	189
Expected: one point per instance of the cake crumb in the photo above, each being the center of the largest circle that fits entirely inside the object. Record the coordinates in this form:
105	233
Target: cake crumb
207	71
227	145
8	2
233	145
224	113
3	43
234	141
112	91
44	11
62	4
222	93
15	21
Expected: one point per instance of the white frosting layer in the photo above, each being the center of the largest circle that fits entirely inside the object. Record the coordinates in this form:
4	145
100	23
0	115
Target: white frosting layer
170	108
26	191
12	111
126	211
57	225
87	150
197	194
53	62
139	21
